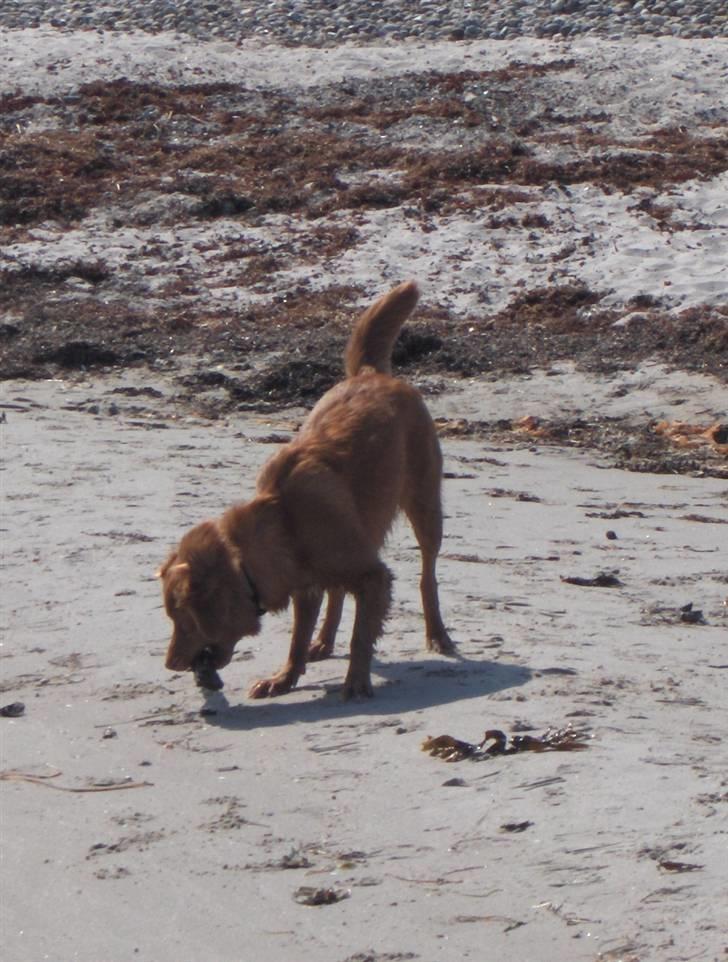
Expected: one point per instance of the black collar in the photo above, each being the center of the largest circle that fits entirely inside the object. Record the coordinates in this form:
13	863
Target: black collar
254	593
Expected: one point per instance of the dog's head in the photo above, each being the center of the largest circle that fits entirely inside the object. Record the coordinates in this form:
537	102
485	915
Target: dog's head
209	597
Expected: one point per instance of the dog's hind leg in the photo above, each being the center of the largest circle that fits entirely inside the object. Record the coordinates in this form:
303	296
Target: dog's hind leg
437	635
323	647
372	592
306	607
425	516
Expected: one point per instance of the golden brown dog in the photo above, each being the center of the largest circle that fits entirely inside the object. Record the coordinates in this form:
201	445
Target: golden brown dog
323	507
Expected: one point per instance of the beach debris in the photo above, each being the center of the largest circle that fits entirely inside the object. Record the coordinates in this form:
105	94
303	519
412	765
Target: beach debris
495	743
684	435
515	827
509	923
668	865
531	425
295	859
311	895
14	710
602	580
10	775
664	856
692	616
205	673
372	956
665	614
448	748
615	515
703	519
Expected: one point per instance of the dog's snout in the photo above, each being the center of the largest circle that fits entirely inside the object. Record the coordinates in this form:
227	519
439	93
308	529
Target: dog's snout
174	663
175	659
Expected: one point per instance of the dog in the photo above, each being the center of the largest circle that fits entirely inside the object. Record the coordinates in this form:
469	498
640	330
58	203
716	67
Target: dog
322	510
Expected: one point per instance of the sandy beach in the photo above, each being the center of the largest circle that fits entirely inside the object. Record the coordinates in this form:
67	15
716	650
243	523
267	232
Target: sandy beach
583	573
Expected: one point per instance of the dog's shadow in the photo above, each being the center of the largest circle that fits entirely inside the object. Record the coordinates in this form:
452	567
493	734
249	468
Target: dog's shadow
399	688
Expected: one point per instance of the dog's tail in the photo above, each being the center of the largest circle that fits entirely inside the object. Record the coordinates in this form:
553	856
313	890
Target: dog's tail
374	334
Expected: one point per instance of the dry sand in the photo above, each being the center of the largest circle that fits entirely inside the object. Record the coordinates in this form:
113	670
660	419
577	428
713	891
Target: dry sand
217	823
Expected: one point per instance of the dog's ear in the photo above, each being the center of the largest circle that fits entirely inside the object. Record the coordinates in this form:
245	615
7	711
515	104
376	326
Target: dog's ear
193	572
166	566
177	580
208	560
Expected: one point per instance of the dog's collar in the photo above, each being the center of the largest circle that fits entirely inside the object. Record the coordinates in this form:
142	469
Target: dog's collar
254	593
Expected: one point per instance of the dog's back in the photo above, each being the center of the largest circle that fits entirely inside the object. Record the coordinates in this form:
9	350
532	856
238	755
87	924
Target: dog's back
371	416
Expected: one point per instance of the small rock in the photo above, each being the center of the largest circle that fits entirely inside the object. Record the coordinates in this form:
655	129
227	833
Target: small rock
14	710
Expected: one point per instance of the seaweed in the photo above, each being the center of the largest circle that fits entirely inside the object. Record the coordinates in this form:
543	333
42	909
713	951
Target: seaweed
495	743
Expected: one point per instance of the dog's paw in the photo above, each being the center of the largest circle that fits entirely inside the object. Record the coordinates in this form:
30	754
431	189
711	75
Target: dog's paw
357	688
319	651
271	687
442	644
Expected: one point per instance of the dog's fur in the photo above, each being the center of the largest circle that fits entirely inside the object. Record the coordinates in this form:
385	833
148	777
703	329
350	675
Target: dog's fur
323	507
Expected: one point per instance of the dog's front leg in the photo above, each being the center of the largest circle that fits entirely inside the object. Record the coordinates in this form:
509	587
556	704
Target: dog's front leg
373	593
323	647
306	606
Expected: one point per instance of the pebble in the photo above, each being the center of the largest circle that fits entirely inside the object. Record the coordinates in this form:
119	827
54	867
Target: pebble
323	23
